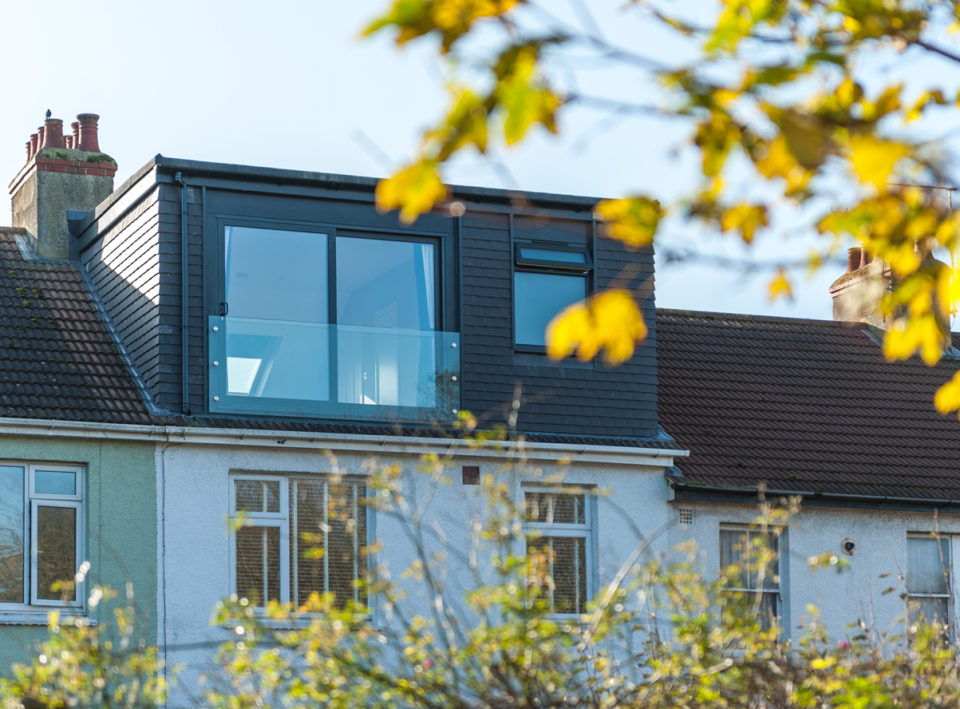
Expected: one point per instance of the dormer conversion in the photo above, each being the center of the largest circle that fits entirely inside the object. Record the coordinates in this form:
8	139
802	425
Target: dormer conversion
243	295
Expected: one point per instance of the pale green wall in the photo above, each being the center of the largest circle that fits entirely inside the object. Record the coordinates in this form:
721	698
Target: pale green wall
120	504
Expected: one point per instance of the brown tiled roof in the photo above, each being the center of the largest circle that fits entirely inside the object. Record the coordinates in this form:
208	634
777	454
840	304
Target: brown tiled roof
57	359
802	405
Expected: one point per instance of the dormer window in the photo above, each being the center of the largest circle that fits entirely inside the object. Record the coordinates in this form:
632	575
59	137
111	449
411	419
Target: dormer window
547	278
330	323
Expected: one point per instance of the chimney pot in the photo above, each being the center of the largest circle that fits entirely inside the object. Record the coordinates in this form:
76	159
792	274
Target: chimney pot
864	258
853	258
68	141
53	133
34	144
41	137
75	127
88	132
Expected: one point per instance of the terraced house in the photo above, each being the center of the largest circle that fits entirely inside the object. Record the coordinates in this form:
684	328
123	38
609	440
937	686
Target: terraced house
210	342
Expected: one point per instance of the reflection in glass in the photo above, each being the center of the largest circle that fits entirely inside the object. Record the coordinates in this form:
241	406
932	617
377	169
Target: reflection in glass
11	534
386	312
276	274
56	550
55	482
276	284
537	298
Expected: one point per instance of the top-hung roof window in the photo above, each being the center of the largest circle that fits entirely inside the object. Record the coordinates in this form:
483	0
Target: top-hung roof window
547	278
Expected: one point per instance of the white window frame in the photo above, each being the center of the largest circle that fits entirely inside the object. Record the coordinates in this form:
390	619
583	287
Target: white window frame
282	519
952	549
32	500
586	531
751	531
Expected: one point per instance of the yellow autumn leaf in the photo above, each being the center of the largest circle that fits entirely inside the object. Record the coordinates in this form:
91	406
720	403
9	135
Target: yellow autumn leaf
413	190
873	159
632	220
778	161
745	218
947	398
609	321
780	286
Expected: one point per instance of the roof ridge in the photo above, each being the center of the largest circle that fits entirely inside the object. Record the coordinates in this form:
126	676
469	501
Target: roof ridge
718	315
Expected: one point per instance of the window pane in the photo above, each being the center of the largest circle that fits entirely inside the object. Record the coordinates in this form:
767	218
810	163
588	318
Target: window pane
386	316
385	284
56	550
306	539
11	534
342	546
528	253
554	508
733	548
327	547
569	575
258	564
55	482
257	495
933	611
276	275
537	298
928	565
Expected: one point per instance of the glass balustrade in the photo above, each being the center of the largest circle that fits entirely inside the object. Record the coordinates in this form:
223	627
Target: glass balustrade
304	369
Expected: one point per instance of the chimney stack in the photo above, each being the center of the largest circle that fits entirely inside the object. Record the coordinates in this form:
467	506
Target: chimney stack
858	292
61	173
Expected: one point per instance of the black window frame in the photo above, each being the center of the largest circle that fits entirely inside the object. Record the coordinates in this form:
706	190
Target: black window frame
353	218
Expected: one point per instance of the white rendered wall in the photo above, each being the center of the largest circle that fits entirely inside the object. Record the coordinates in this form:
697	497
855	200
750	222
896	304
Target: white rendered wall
842	597
194	498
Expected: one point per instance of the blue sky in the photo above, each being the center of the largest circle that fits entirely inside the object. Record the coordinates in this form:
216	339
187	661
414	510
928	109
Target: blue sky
288	84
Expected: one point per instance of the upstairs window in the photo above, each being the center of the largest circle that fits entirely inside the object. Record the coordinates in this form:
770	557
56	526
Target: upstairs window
547	278
928	580
330	323
298	536
41	542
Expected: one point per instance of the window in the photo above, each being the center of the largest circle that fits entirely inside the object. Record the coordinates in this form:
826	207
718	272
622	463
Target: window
739	546
928	580
547	278
298	536
330	323
40	534
558	528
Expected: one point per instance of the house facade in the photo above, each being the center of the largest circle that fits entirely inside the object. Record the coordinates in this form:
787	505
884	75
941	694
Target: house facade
203	364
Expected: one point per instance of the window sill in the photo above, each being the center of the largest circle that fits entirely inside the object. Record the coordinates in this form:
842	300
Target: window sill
41	616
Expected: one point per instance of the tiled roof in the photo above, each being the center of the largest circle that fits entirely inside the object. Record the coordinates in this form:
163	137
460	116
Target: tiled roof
801	405
57	359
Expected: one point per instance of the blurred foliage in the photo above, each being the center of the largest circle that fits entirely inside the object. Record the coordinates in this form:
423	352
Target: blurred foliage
658	633
87	664
784	106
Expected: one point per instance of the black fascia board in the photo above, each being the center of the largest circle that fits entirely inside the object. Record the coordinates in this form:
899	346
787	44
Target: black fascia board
686	492
211	172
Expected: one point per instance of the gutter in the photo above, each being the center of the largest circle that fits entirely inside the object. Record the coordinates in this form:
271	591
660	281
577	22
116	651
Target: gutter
362	443
811	498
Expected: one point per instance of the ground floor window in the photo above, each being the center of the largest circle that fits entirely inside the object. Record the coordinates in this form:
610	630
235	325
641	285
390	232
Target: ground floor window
296	536
928	580
41	535
749	578
558	528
